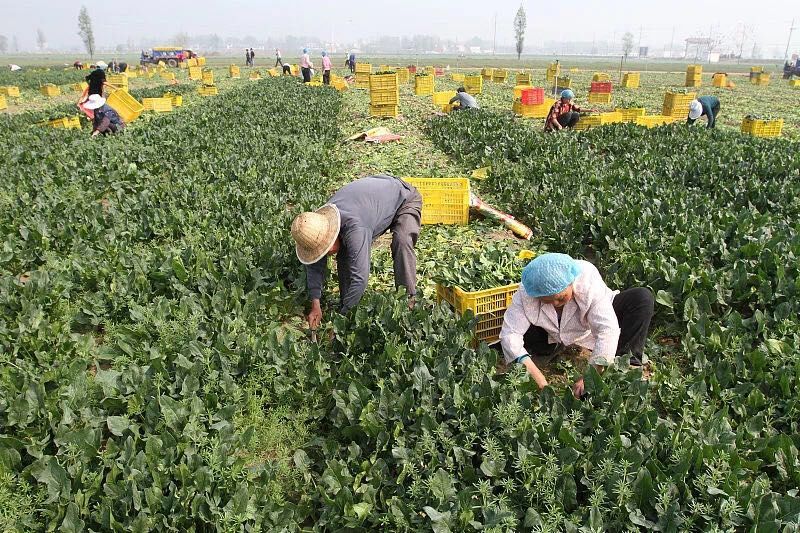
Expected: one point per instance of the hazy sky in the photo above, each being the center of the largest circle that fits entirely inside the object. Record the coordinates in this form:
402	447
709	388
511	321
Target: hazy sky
117	21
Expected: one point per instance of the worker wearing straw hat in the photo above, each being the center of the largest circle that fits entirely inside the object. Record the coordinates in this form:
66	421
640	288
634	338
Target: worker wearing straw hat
346	226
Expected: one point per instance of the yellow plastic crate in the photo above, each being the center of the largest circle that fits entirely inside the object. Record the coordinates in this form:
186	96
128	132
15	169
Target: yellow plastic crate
677	104
384	68
651	121
601	76
384	97
794	83
518	90
553	71
630	80
523	78
500	75
563	82
443	97
489	306
487	74
208	77
630	114
294	70
444	200
120	80
383	81
384	111
234	72
177	99
159	105
457	77
473	84
339	85
12	91
192	62
762	128
533	110
599	98
762	79
126	106
402	75
201	61
423	85
364	67
206	90
79	87
3	103
195	73
719	80
131	73
255	75
68	123
50	90
167	76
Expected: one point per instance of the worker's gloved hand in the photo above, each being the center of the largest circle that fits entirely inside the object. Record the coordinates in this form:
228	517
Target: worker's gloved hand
315	315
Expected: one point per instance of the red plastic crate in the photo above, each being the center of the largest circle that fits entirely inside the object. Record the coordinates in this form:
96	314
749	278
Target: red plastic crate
412	69
533	96
601	87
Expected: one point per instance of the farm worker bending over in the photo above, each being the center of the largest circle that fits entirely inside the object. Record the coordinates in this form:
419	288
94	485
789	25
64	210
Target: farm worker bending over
106	120
356	215
464	99
305	66
326	68
563	113
705	105
564	301
96	81
287	69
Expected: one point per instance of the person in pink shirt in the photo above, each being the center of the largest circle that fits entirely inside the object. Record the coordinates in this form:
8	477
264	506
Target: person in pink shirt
306	65
326	68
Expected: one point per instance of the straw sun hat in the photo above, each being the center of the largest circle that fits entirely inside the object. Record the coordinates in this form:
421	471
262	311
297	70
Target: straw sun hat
314	233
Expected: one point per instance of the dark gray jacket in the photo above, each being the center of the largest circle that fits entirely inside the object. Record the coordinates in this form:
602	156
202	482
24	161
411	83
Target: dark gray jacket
367	208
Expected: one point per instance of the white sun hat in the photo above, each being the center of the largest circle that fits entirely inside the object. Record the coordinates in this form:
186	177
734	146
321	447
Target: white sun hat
314	233
695	109
94	101
101	65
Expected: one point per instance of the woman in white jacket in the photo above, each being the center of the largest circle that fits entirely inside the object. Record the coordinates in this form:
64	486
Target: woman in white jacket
566	302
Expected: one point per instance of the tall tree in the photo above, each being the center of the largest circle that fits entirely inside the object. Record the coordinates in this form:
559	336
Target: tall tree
85	30
41	40
3	44
14	44
520	23
627	44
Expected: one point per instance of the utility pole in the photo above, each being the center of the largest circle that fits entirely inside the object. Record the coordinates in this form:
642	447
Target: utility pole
671	42
640	41
494	39
789	41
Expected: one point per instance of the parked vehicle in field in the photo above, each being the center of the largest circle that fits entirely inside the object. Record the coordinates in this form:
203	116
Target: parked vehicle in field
171	55
790	70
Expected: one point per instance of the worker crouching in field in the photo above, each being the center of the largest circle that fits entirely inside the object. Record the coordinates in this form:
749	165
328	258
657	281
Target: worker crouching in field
346	226
705	105
106	120
464	100
564	302
563	113
96	83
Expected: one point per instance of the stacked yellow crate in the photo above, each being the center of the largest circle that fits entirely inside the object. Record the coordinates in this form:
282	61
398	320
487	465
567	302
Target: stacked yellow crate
12	91
118	80
533	110
630	114
600	76
487	74
423	84
553	71
694	75
195	73
234	72
630	80
402	75
677	104
363	72
208	77
384	95
762	78
500	75
719	79
473	84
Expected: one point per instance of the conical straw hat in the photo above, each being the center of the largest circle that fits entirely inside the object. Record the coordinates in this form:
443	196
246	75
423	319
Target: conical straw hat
314	233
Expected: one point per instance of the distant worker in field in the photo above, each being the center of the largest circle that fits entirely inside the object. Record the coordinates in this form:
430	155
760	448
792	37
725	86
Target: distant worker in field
352	60
326	68
563	302
346	226
106	120
247	57
287	69
252	58
77	65
705	105
305	66
464	100
563	113
278	59
96	81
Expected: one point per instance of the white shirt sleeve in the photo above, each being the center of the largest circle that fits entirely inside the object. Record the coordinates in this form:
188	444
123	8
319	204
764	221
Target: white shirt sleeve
515	325
602	321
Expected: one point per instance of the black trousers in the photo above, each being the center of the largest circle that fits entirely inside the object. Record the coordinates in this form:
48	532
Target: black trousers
569	119
306	74
326	77
278	62
634	309
287	69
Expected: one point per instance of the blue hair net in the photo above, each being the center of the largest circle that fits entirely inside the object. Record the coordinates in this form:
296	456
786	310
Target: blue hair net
568	94
324	53
549	274
305	50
